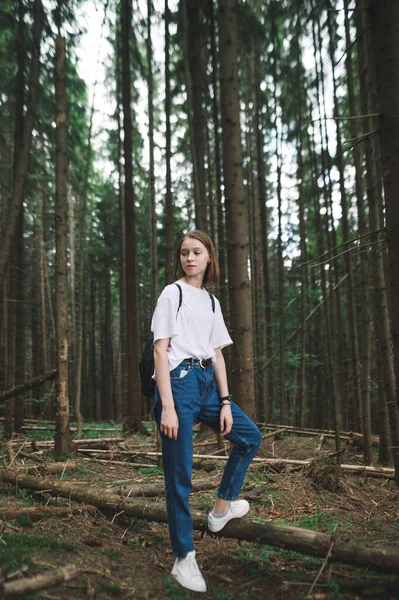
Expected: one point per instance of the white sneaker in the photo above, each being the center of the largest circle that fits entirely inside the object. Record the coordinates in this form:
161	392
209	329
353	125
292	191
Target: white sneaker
187	573
237	509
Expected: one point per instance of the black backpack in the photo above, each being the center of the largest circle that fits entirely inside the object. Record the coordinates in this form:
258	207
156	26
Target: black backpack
146	365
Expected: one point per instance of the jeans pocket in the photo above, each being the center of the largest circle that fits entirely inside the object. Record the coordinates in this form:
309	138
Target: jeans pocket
180	372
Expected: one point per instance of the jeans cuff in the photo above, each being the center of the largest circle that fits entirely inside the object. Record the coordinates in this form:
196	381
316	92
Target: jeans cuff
223	497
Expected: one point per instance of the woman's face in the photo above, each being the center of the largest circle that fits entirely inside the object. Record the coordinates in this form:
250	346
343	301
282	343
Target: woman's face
194	258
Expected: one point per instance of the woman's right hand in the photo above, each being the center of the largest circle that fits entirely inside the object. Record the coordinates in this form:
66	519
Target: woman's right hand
169	422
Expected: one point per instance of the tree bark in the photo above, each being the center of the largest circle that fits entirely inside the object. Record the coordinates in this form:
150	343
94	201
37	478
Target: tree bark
236	212
153	214
384	19
195	57
62	438
134	399
20	243
221	225
122	253
379	304
302	401
363	293
169	275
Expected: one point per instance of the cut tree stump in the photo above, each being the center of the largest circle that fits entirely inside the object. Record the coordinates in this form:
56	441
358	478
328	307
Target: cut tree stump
345	549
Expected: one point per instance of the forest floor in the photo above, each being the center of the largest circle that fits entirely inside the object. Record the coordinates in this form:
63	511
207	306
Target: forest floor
131	558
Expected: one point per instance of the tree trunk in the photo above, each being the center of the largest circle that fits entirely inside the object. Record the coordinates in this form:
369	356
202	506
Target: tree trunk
134	399
379	304
169	274
122	250
364	324
384	19
236	212
196	81
20	254
302	401
223	294
339	354
153	214
62	438
259	241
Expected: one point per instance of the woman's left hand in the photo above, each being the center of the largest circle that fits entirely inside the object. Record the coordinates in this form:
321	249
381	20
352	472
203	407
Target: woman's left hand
226	419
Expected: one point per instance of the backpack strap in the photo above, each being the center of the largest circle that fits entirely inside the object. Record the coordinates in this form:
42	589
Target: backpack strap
180	298
212	297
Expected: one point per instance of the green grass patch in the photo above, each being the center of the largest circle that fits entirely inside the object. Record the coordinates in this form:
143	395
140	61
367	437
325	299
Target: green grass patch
320	521
19	547
151	471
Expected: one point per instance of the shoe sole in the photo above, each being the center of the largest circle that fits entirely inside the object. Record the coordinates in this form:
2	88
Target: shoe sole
186	587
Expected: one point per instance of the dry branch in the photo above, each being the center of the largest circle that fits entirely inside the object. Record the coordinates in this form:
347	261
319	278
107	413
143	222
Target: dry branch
273	433
364	554
316	432
19	588
36	513
24	387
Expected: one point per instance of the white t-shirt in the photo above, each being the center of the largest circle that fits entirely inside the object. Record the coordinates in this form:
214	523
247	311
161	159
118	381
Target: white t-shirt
195	331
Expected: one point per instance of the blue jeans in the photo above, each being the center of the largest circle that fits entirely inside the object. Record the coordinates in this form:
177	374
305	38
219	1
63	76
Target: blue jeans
196	397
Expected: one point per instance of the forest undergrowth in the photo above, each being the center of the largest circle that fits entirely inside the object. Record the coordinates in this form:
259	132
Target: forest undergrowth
131	558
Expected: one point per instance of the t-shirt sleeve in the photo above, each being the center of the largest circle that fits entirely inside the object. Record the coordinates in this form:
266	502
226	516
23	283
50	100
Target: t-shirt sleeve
164	323
220	336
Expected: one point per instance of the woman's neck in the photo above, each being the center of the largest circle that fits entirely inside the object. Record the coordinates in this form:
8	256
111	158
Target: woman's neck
194	282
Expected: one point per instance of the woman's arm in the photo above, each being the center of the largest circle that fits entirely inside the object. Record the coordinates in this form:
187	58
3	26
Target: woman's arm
169	421
226	418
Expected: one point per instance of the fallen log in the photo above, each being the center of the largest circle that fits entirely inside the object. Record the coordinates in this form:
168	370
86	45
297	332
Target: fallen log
91	442
157	489
56	467
365	470
345	549
51	429
19	588
120	462
37	513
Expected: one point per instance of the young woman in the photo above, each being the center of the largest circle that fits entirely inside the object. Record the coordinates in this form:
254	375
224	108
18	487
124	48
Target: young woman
191	384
